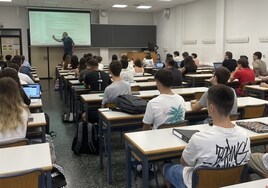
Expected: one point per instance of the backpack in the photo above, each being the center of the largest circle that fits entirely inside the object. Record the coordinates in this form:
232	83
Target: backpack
86	140
131	104
57	177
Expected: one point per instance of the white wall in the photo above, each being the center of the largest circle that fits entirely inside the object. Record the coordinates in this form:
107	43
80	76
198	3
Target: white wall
13	17
247	18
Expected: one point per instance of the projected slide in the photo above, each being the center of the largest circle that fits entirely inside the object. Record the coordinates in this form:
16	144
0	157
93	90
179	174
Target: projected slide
44	24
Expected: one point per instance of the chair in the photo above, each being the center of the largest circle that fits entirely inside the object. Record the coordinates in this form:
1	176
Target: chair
253	111
234	117
135	88
218	177
174	125
14	143
34	178
198	95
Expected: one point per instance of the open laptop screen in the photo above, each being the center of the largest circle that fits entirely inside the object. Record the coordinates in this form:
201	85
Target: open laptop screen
32	90
217	65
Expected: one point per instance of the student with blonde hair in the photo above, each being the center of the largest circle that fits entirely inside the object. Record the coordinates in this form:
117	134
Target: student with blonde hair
14	114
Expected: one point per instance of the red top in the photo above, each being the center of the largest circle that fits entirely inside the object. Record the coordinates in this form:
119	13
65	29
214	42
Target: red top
244	75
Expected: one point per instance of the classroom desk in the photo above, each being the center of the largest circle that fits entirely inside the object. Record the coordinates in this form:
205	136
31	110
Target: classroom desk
257	183
257	90
109	120
146	145
22	158
39	120
143	78
36	103
194	79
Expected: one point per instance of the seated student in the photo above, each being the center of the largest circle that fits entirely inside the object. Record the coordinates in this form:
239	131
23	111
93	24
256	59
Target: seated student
74	62
221	76
99	59
25	63
244	74
189	66
196	61
170	65
24	78
118	87
126	74
85	71
3	64
23	69
138	69
259	66
81	66
12	73
114	57
184	55
229	62
66	64
148	61
8	58
14	113
168	107
258	162
96	80
176	56
222	145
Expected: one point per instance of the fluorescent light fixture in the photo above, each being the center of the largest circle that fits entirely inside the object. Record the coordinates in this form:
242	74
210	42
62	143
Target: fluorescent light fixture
5	0
119	6
144	7
165	0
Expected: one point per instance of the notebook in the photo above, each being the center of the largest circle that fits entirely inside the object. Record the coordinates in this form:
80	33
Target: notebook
32	90
217	65
185	135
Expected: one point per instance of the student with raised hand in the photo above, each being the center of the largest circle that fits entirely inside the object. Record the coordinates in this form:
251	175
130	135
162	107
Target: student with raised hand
127	74
229	62
14	114
168	107
221	76
170	65
259	66
224	136
118	87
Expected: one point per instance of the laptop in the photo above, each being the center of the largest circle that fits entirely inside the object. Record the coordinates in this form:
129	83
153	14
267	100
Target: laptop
33	91
217	65
185	135
159	65
178	64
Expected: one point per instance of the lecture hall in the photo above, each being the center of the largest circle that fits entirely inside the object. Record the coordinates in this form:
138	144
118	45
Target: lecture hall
127	93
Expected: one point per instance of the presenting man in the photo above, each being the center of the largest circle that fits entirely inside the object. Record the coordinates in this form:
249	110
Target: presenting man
68	43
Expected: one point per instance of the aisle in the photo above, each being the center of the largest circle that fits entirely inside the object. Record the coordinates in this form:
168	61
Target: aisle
82	171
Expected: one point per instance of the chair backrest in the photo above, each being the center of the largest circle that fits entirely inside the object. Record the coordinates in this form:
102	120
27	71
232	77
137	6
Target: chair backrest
253	111
135	88
234	117
217	177
34	178
179	124
14	143
198	95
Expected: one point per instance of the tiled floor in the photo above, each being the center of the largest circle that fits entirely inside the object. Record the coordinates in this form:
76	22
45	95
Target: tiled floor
83	171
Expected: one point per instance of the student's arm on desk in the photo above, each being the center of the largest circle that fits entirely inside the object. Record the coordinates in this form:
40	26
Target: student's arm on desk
146	127
195	106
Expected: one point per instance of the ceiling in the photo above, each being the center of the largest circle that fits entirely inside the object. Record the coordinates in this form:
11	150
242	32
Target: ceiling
157	5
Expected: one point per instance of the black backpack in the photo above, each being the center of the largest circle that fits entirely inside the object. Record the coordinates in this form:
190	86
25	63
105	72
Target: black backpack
131	104
86	140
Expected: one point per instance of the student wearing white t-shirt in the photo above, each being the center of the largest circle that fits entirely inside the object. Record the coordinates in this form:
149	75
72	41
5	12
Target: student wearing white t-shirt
127	74
222	145
167	108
